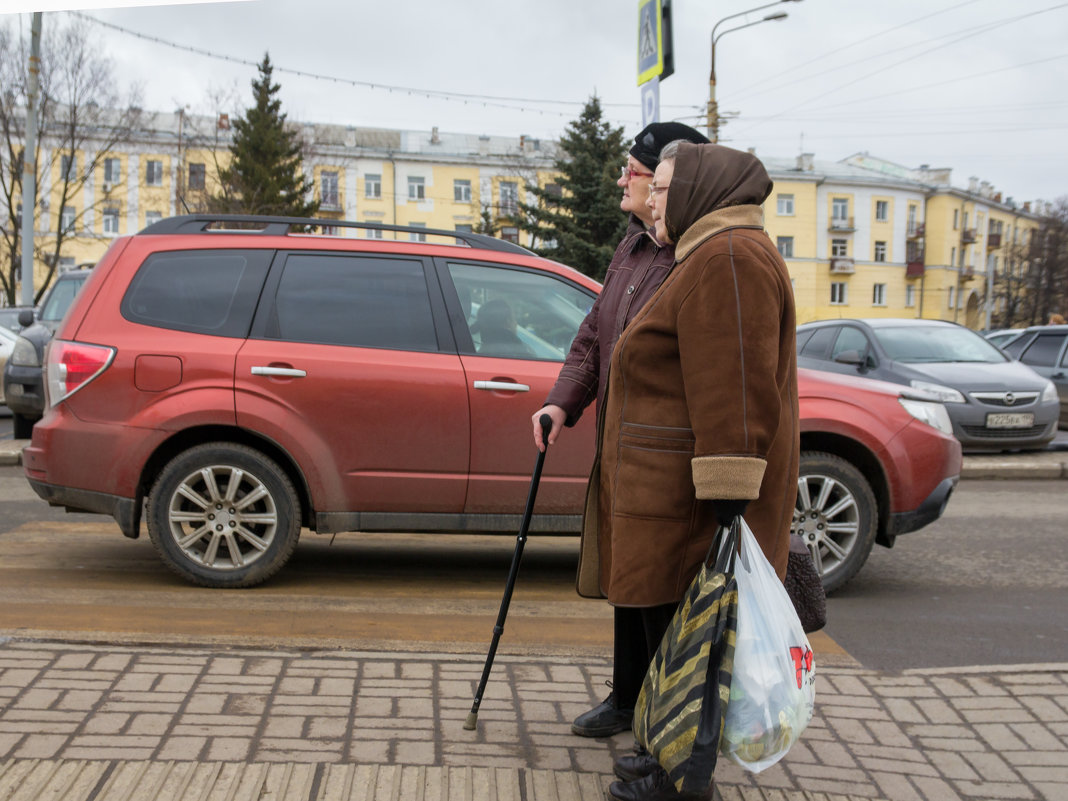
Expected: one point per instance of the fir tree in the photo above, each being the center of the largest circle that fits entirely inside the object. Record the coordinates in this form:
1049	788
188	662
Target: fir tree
265	176
580	219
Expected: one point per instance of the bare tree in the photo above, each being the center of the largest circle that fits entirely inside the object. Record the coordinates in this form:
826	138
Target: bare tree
82	119
1047	280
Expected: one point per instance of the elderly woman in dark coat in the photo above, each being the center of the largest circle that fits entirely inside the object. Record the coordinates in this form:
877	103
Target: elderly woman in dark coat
701	420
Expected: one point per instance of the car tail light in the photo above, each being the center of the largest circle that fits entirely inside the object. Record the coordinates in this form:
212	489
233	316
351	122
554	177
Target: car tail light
69	366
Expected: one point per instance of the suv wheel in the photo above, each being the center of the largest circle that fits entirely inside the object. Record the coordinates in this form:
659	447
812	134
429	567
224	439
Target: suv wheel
224	515
835	516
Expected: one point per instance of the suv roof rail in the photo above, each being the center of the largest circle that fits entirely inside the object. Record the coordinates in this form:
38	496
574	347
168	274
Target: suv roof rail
280	226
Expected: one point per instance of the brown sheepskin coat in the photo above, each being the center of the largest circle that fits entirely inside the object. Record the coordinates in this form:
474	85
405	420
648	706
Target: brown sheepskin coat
702	395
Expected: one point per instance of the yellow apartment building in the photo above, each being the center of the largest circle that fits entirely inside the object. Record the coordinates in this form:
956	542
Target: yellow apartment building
862	237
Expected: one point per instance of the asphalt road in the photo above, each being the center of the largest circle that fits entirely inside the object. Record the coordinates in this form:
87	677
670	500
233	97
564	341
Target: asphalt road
987	584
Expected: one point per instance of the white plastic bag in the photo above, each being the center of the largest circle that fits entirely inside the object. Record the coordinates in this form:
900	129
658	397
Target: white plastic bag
773	684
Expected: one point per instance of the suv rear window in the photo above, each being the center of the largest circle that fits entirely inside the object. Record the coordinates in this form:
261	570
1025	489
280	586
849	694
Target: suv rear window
358	301
201	291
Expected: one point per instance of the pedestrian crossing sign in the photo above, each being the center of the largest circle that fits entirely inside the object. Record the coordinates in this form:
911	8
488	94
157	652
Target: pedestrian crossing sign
654	40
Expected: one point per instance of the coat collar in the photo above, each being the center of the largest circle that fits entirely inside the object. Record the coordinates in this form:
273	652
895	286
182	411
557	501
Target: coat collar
748	216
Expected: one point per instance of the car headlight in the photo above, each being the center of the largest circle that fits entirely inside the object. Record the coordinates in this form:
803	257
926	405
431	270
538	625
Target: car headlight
944	393
1049	393
932	413
24	354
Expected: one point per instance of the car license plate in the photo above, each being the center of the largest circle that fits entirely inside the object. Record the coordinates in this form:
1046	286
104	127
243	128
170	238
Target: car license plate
1010	420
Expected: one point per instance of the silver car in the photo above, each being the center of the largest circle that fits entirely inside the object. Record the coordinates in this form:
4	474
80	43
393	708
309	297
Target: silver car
994	403
1044	348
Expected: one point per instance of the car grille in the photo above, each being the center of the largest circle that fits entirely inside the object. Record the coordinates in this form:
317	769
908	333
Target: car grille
999	398
1003	433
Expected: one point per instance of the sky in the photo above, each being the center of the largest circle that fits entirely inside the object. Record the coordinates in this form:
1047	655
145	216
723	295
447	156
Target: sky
978	86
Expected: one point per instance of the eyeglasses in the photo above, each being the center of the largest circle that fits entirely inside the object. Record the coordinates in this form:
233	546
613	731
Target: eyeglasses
656	190
626	173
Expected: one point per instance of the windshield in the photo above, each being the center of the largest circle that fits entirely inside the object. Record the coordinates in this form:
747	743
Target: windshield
915	344
61	296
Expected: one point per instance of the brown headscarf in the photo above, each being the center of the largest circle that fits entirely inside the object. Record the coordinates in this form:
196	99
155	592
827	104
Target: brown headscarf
710	177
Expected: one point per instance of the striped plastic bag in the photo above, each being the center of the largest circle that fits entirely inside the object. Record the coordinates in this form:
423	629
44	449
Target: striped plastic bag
680	711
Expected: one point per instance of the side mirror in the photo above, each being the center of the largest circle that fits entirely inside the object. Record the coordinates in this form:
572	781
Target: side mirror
26	318
850	357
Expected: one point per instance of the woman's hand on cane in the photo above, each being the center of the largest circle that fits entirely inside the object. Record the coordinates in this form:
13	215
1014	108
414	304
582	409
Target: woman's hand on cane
557	415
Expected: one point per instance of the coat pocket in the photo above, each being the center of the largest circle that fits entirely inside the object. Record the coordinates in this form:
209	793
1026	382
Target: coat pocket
653	477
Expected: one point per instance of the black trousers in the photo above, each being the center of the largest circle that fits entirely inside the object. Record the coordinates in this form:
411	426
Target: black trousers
638	632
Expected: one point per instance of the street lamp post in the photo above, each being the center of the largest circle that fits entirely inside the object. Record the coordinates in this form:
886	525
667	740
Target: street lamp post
713	109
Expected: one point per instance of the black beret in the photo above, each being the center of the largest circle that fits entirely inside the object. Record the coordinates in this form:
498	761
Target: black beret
656	135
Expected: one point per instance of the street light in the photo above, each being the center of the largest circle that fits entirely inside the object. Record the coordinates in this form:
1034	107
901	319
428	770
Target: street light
713	110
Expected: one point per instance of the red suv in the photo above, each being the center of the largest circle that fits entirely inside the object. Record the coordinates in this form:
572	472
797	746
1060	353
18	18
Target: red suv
236	380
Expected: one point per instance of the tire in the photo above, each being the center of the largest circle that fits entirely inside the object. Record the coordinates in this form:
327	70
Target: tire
22	427
835	515
206	540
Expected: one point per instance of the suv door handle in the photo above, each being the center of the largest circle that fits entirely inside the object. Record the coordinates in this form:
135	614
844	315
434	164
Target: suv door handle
287	372
505	386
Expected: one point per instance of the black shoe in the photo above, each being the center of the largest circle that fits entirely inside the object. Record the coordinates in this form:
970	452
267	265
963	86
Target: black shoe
654	787
603	720
635	766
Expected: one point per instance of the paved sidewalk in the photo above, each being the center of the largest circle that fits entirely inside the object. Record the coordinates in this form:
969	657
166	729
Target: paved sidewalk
114	722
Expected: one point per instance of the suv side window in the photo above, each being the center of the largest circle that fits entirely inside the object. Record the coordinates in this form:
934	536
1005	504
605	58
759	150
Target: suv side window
1043	351
355	300
200	291
850	339
816	347
517	314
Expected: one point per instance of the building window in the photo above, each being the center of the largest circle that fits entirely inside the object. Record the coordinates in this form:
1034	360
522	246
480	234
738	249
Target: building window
154	173
840	209
416	187
152	217
910	295
372	186
839	293
464	229
510	233
950	294
414	236
66	219
784	205
112	171
373	233
878	295
956	219
880	250
328	189
111	220
461	190
66	263
882	211
509	197
785	245
197	174
839	248
68	167
554	193
953	257
330	230
912	220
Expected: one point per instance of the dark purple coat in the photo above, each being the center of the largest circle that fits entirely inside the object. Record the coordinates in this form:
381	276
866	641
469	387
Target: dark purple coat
638	267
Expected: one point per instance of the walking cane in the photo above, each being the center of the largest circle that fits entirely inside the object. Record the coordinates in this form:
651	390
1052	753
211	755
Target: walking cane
546	424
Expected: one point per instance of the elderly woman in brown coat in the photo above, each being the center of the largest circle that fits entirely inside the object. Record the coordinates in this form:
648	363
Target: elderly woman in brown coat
700	421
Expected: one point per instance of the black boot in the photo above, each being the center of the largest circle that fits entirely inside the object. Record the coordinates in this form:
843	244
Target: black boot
635	766
654	787
603	720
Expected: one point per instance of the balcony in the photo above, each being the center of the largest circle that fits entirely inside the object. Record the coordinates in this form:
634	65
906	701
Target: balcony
968	236
840	265
841	224
916	231
967	273
915	269
993	241
330	201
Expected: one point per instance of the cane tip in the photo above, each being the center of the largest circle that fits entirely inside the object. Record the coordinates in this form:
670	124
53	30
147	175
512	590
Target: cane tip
472	721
